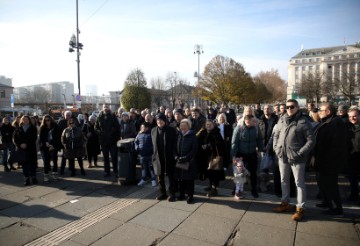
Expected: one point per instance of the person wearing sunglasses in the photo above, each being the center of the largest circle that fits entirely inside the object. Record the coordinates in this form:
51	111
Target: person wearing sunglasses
72	139
293	141
50	144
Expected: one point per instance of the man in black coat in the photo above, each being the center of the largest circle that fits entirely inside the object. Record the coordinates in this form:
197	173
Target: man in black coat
330	155
354	156
164	140
108	129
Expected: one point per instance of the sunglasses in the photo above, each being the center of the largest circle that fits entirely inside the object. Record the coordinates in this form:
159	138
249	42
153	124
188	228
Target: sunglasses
71	123
290	107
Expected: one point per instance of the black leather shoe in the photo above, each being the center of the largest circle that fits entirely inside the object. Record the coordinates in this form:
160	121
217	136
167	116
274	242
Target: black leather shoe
190	199
34	181
255	194
161	197
171	198
27	182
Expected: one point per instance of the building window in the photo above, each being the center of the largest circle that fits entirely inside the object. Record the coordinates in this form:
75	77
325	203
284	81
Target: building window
297	61
310	60
2	94
304	60
310	68
318	59
336	57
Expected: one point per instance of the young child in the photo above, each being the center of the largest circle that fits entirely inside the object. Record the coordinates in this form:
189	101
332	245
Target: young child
240	174
144	147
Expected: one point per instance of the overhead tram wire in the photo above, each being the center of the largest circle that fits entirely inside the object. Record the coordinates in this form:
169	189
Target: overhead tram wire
95	12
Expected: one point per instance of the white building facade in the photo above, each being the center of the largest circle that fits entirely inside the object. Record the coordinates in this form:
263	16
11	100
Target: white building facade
332	63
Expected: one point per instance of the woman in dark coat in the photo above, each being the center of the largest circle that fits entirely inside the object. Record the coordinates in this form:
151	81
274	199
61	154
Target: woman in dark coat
226	131
72	139
24	138
7	132
211	145
92	143
50	144
185	152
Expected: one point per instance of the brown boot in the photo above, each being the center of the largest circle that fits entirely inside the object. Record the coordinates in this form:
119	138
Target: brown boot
284	207
298	215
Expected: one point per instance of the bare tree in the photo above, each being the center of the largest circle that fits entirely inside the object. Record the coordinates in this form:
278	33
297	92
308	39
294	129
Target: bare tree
311	86
348	80
274	84
157	83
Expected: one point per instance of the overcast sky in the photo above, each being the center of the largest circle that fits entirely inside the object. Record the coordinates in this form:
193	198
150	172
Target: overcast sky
158	36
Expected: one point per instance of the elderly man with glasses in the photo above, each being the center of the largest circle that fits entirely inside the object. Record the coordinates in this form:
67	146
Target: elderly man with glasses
293	141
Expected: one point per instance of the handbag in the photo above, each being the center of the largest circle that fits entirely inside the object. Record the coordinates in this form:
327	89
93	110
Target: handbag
216	163
19	155
266	162
183	165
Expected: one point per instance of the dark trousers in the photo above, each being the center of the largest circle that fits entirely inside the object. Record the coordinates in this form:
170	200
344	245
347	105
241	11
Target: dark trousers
49	156
186	187
328	184
110	150
162	187
250	162
28	168
354	177
72	164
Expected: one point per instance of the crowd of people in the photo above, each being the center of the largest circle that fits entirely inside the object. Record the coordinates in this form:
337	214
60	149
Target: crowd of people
185	145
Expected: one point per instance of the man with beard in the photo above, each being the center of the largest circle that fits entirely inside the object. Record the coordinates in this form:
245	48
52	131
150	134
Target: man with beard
108	128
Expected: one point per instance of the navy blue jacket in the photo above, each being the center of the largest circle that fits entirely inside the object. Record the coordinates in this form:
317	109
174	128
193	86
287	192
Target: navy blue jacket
143	143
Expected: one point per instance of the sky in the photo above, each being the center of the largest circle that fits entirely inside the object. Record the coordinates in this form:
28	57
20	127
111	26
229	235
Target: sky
159	36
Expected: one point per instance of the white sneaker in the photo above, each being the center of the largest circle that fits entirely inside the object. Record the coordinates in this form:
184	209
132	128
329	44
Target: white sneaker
153	183
142	182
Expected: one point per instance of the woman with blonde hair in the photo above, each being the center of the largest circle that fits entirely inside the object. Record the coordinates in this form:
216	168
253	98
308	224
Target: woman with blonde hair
24	138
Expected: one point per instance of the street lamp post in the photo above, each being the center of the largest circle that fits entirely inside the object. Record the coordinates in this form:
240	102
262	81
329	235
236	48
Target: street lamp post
75	44
198	49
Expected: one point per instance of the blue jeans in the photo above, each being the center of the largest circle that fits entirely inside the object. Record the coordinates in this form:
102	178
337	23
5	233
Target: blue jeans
112	150
146	166
8	149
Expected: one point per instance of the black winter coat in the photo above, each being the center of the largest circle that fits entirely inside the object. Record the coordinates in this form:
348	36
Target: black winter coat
108	129
166	163
28	137
51	135
354	145
331	153
211	144
185	151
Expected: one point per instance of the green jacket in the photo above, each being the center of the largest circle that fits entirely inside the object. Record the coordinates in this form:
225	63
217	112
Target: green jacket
245	140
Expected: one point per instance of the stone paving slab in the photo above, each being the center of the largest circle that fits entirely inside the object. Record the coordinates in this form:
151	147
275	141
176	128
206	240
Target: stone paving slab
59	197
27	209
93	233
224	207
305	239
203	227
262	214
55	218
182	205
255	234
132	211
19	234
177	240
131	235
6	221
161	218
92	202
342	228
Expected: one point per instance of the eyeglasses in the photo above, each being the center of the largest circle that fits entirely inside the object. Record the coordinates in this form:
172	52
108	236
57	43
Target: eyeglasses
290	107
322	110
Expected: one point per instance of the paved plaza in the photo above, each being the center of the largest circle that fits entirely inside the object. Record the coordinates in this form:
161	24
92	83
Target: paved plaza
92	210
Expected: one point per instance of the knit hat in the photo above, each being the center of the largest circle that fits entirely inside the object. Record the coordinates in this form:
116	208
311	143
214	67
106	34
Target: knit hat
161	116
179	110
